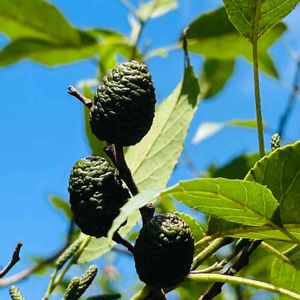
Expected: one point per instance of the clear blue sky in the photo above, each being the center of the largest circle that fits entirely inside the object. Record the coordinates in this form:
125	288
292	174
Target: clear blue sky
42	133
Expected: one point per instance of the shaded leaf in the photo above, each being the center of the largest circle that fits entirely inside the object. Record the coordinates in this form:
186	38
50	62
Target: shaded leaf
286	276
242	14
235	201
280	172
214	76
213	36
260	232
237	168
36	19
153	159
95	144
62	205
155	8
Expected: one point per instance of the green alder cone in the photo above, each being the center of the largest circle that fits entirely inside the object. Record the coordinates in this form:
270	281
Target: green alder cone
124	105
163	252
96	195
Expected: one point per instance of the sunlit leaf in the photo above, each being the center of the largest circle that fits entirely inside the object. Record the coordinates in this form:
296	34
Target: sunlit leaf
208	129
155	8
153	159
270	12
129	212
236	201
280	172
48	53
36	19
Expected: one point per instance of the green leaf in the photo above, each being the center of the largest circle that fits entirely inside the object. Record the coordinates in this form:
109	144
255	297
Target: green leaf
62	205
208	129
265	232
36	19
213	36
285	276
129	212
243	123
193	224
95	144
155	8
236	201
280	172
237	168
153	159
214	76
48	53
242	14
95	248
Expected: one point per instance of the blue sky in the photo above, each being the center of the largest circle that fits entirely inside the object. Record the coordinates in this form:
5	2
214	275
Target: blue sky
42	132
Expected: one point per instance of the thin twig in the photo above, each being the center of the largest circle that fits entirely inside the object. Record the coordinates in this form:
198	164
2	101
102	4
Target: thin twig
75	93
118	239
116	154
243	261
14	259
27	272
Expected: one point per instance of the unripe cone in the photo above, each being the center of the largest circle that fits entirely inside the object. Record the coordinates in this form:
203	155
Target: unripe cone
163	252
124	105
96	195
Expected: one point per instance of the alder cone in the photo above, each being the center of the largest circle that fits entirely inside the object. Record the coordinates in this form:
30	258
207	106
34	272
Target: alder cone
96	195
124	105
163	252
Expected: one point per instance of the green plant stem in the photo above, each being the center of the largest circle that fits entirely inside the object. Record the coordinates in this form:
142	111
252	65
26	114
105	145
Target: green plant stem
55	280
244	281
209	251
203	241
267	247
259	118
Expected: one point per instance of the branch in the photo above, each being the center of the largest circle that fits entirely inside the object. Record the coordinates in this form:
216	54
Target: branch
116	154
15	258
243	261
75	93
27	272
118	239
